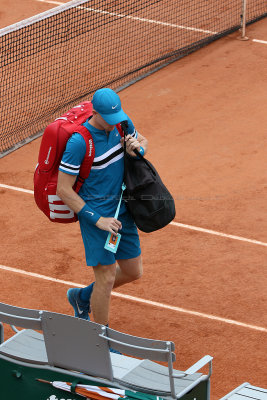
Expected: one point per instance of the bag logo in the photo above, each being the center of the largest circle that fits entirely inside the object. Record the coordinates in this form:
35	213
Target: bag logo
90	147
62	211
48	155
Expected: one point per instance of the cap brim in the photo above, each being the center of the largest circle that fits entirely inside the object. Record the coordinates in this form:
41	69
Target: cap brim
115	118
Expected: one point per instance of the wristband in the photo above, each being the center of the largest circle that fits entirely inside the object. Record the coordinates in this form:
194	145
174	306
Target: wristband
88	215
142	151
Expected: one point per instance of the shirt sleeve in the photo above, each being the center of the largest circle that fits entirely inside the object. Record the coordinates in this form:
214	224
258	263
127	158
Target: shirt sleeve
73	155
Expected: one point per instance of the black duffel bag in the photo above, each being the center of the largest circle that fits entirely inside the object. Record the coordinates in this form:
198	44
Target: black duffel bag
147	198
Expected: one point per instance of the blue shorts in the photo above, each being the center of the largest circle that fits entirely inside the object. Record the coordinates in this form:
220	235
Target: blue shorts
94	240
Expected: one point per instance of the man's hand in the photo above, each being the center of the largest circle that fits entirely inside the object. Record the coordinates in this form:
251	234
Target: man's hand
131	145
109	224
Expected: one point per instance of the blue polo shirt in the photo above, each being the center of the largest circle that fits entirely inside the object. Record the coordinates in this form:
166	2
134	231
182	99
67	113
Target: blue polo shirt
102	189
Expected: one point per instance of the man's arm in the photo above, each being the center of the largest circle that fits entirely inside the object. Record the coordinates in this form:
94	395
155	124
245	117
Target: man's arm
67	194
77	204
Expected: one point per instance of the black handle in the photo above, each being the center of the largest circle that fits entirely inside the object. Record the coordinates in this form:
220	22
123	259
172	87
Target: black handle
124	126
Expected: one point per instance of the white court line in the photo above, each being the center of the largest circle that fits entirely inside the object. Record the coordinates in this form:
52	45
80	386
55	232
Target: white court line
150	21
16	188
184	226
259	41
211	232
140	300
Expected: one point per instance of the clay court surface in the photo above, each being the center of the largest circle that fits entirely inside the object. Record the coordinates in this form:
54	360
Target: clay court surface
205	119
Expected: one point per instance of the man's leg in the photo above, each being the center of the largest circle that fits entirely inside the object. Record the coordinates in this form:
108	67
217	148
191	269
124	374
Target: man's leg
97	295
100	299
128	271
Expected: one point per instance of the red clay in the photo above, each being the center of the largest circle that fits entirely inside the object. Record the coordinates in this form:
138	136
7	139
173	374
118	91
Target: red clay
205	118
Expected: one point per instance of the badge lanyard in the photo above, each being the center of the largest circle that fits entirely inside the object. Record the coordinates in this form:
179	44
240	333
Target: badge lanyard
113	239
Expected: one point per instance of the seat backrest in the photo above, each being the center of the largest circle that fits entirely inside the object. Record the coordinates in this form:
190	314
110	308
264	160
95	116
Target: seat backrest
75	344
21	317
156	350
70	343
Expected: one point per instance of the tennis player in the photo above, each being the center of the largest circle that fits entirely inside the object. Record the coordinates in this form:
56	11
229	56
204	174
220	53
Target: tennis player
97	202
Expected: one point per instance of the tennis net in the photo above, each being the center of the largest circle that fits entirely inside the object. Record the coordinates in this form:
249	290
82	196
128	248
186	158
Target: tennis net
56	59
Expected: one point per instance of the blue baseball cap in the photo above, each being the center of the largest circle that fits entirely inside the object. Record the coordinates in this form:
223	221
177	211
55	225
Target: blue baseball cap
108	104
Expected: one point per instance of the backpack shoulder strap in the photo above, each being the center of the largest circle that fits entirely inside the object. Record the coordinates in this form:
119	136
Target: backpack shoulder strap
88	158
118	126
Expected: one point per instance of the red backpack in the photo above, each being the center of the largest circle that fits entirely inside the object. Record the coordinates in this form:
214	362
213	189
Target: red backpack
52	147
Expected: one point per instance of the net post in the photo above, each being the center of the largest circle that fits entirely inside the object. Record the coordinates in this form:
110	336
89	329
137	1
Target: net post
243	21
